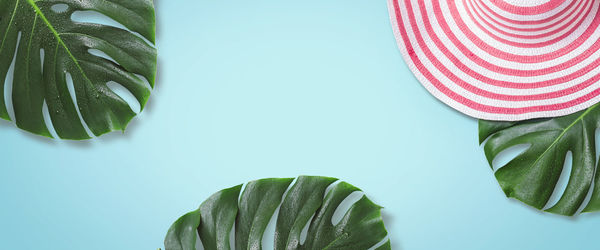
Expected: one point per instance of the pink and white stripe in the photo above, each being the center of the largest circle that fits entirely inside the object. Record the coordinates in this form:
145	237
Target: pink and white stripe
503	59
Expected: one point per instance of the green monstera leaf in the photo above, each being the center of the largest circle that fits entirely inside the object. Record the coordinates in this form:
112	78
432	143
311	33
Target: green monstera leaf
311	201
66	66
533	175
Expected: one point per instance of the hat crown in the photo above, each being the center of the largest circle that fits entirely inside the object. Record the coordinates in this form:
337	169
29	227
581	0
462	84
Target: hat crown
530	10
530	19
527	7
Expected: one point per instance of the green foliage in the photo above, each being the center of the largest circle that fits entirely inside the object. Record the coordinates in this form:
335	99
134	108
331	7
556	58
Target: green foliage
50	47
532	176
310	197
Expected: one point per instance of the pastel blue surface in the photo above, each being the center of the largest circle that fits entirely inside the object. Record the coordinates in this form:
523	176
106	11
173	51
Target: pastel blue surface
271	88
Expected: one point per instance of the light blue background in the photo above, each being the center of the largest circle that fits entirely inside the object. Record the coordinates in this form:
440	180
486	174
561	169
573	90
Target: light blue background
271	88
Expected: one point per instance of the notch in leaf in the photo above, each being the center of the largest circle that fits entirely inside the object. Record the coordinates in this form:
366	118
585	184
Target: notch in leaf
65	66
310	201
532	176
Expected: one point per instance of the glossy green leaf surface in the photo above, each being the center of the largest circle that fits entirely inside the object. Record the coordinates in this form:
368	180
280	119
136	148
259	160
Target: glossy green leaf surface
309	204
67	65
533	176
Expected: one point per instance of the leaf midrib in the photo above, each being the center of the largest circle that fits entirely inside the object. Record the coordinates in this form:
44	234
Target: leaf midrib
61	42
57	36
564	131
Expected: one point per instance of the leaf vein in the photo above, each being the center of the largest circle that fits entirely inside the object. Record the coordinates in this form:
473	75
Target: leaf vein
9	24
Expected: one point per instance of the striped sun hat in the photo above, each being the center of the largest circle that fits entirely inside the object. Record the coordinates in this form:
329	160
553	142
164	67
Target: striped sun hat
503	59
